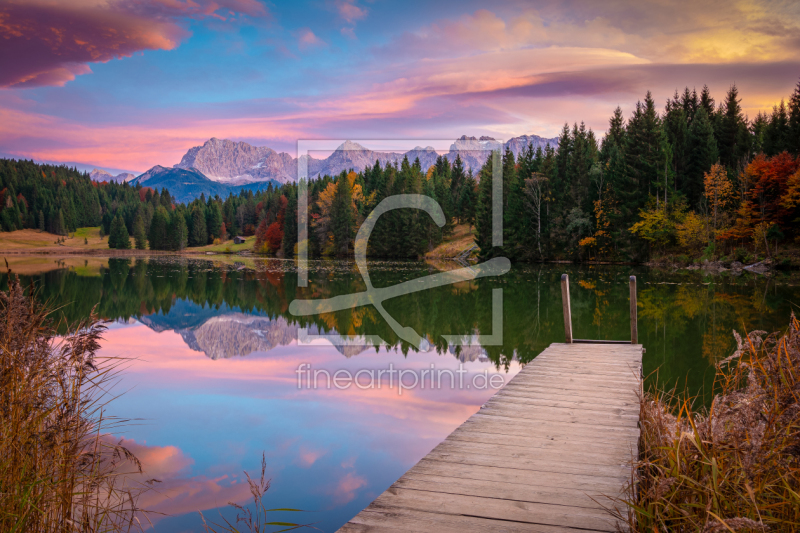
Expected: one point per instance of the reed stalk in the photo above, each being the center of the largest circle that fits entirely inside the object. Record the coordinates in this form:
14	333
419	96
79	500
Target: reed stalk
60	470
734	466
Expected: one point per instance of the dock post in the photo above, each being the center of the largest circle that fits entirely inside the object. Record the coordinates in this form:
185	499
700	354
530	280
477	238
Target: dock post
567	309
634	325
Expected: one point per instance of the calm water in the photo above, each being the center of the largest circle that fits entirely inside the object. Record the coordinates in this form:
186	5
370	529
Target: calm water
215	379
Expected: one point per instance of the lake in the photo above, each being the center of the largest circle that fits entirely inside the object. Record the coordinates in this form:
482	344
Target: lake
217	375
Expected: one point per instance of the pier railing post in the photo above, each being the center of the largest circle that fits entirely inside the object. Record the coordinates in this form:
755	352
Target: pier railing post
567	310
634	324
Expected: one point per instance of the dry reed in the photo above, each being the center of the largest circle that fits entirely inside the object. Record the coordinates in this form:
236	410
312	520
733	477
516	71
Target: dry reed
255	522
735	466
59	469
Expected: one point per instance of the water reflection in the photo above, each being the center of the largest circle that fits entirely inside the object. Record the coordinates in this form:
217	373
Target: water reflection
217	352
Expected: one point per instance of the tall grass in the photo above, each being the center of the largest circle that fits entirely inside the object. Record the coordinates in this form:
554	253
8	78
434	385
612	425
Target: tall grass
254	522
735	466
59	470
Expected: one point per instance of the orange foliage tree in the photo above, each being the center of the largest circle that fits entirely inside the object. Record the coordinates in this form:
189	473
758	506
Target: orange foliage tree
773	196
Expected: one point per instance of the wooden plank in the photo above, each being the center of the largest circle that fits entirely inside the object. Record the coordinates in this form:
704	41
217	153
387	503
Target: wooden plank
378	519
548	453
506	510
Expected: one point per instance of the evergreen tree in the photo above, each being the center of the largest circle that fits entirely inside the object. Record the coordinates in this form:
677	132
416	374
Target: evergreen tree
702	154
676	125
644	149
159	227
60	227
178	233
139	234
214	220
290	223
119	238
776	136
707	103
457	177
794	121
483	211
733	138
758	131
469	198
342	215
41	220
199	236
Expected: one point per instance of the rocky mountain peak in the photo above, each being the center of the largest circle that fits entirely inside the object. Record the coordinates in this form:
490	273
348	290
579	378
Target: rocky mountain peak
351	146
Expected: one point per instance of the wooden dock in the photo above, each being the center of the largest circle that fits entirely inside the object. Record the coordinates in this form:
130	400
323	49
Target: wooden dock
547	453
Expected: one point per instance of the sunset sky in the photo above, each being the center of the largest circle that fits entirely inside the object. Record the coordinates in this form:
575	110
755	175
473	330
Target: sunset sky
128	84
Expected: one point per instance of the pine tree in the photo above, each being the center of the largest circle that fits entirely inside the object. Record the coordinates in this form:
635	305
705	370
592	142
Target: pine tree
707	103
776	136
794	121
457	177
61	228
468	200
290	223
199	236
178	236
702	154
483	211
139	234
159	227
214	220
119	238
758	131
677	129
41	220
342	215
733	138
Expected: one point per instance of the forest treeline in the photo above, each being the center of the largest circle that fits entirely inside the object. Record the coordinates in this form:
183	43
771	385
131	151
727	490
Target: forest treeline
696	178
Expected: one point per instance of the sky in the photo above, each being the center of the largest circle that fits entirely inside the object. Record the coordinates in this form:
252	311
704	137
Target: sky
128	84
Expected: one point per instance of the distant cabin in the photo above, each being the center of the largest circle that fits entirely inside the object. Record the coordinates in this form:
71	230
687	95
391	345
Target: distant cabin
238	240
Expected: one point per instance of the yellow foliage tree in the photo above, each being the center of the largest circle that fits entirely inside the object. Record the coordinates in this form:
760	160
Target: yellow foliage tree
718	191
692	231
655	226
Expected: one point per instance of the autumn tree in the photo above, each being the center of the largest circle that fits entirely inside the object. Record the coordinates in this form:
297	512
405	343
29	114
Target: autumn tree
717	190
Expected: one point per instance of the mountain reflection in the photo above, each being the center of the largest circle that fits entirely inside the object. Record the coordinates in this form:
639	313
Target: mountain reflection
234	308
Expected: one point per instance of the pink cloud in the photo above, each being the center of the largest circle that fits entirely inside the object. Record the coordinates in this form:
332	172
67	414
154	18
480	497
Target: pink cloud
349	11
345	490
307	39
44	42
308	456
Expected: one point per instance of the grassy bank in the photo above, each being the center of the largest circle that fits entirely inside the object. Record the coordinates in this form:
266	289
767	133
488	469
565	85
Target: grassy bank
59	470
735	466
461	240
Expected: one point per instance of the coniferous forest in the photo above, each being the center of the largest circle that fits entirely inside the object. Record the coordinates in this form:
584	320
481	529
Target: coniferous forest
696	178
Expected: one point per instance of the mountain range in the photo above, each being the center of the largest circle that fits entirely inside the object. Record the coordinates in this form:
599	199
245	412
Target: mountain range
222	166
101	175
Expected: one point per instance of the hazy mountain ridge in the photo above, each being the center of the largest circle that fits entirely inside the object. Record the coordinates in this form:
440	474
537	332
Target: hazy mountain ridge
101	175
